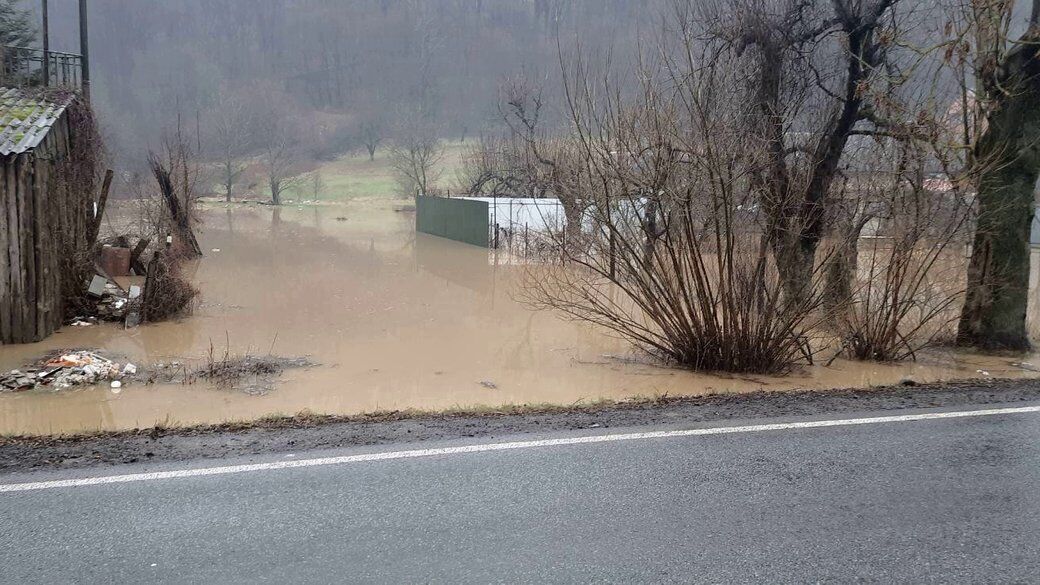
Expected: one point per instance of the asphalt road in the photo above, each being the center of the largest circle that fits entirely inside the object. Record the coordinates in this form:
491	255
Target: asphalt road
952	501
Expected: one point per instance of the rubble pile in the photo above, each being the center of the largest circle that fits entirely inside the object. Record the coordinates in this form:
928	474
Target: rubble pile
112	303
66	370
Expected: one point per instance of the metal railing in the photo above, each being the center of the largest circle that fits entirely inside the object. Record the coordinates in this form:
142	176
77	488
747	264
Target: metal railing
24	66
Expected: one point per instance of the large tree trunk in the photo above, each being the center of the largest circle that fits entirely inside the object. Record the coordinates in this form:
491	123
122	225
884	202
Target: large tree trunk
795	262
229	182
276	192
994	313
842	265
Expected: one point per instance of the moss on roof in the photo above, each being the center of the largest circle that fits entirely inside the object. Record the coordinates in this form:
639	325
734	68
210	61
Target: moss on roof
26	115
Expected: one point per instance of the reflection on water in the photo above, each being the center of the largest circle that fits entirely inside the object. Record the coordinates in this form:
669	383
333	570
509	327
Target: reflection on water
397	320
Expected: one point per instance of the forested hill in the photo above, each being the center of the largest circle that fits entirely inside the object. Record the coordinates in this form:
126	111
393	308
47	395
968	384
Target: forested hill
348	62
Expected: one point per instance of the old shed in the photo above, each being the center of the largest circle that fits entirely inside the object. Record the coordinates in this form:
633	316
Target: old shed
43	219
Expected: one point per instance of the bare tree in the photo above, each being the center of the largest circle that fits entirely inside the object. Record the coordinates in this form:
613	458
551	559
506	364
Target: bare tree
906	277
415	154
1007	154
280	154
518	163
232	137
315	185
816	76
371	134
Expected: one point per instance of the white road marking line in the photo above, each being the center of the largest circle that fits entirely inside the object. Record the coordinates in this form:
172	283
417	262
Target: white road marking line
411	454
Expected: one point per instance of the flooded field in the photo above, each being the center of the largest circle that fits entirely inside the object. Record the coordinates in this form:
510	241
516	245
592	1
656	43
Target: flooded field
395	319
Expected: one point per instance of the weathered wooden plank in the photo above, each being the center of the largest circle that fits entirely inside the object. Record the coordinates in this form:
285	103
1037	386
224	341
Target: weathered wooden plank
55	205
25	218
43	252
5	274
15	252
54	237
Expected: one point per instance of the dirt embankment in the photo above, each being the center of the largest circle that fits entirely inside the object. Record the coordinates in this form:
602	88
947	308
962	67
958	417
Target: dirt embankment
305	432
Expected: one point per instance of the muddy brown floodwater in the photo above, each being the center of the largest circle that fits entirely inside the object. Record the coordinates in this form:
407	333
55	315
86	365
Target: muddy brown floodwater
396	319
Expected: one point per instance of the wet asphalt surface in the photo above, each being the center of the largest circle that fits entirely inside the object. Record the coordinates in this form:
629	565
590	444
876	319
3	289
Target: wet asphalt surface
937	501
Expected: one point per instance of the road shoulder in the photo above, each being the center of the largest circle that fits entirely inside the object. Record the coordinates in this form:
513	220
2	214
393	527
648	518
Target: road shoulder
306	433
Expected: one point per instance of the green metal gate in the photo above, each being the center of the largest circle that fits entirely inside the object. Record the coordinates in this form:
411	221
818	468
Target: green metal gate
462	220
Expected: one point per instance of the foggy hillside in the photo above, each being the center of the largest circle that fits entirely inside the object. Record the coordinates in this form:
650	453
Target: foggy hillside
331	65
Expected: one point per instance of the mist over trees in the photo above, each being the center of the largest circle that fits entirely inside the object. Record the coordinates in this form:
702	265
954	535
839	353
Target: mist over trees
16	24
346	66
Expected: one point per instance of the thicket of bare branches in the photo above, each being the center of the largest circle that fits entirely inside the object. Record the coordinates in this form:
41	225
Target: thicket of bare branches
776	177
173	211
517	163
901	250
167	293
668	251
77	178
415	155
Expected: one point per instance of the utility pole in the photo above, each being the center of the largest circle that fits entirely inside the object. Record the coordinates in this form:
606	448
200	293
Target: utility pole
46	47
84	49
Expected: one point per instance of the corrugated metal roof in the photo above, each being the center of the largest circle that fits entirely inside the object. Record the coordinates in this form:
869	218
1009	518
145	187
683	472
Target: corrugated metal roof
26	115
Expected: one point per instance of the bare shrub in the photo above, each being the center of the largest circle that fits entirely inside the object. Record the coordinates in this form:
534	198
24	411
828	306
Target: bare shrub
415	153
167	293
908	276
172	210
669	251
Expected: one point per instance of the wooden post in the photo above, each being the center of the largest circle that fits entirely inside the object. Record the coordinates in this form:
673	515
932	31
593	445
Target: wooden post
151	275
95	221
84	49
46	46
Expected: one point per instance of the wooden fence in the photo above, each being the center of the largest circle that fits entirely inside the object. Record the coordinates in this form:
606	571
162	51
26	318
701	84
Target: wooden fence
42	221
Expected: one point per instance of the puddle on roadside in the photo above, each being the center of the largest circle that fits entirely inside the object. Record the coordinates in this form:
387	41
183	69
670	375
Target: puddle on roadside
397	320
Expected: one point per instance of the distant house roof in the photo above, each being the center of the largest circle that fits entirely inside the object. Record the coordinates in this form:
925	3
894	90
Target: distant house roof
26	115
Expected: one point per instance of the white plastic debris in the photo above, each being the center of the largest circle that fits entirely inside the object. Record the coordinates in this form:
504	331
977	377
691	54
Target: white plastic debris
983	372
129	369
216	249
135	291
117	384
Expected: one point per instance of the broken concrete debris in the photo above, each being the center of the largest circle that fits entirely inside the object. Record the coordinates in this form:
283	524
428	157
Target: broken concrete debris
114	303
65	370
96	288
